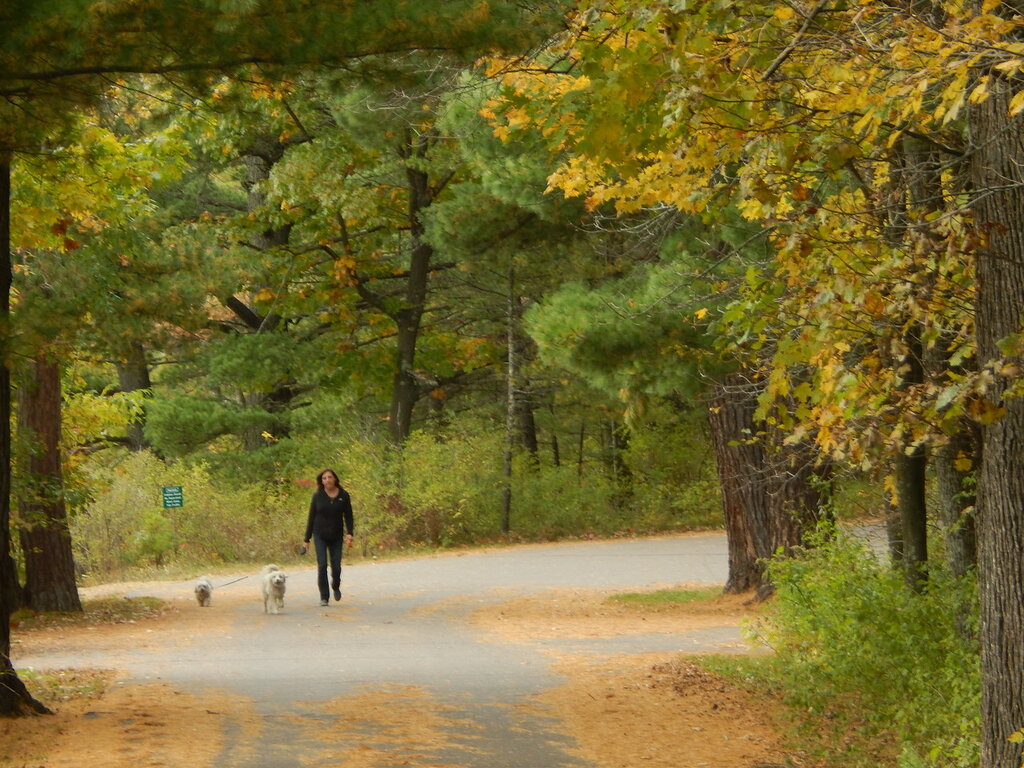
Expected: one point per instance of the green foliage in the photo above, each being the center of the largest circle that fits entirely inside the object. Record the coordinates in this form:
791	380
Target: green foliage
674	483
618	344
856	652
558	502
447	492
180	425
155	540
126	525
450	494
443	488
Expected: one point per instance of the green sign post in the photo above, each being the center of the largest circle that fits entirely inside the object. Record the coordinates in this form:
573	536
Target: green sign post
173	496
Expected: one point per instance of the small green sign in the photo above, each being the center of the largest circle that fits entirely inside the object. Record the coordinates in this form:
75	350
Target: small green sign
173	496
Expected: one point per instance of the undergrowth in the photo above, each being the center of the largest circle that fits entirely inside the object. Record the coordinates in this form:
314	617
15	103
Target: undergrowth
873	673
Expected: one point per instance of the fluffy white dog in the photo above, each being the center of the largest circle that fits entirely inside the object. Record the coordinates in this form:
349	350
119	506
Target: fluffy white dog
273	580
204	591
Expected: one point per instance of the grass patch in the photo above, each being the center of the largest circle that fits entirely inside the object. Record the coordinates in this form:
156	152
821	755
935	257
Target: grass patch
666	597
103	610
56	685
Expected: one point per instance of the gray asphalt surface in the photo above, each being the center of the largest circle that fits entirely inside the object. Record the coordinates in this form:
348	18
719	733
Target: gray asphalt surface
403	623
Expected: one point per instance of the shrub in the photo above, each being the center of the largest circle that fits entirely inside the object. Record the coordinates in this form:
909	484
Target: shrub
126	526
444	487
859	652
554	502
674	480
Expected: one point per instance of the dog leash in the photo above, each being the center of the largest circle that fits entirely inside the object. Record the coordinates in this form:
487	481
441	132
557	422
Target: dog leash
232	581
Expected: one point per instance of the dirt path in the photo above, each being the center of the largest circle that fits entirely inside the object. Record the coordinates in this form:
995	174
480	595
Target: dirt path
600	707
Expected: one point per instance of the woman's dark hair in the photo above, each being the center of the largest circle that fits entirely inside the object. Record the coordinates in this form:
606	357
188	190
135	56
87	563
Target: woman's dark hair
320	478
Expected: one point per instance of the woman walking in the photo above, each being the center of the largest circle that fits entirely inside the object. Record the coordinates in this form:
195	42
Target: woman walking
329	526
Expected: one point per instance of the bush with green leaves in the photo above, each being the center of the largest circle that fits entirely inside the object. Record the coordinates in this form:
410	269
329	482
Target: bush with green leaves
443	487
877	672
446	490
674	483
126	526
556	502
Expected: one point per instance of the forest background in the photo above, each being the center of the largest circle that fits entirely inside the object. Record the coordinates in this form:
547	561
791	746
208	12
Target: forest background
532	271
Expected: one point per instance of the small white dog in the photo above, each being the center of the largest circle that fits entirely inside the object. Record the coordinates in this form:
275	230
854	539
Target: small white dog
204	591
273	580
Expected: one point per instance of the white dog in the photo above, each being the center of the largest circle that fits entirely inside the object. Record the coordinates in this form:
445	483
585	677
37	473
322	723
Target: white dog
273	579
204	591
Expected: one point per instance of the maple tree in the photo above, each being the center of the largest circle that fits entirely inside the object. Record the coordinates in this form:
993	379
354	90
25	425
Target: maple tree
874	143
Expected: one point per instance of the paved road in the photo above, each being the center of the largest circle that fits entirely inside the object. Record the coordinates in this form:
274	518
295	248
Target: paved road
401	623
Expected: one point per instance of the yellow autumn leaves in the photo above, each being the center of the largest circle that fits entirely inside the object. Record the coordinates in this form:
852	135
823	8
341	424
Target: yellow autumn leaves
813	125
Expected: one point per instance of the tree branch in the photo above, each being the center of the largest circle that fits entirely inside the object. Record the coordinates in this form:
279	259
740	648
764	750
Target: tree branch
795	42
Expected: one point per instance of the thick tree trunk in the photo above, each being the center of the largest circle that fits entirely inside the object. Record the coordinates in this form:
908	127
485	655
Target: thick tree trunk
740	459
918	190
997	173
45	537
772	492
910	466
14	699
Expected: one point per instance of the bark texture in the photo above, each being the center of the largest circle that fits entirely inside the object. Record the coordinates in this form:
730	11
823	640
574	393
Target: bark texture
740	458
406	388
45	536
772	493
15	700
997	173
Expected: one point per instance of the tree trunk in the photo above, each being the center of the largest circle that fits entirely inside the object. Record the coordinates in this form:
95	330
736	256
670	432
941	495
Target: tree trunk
894	535
527	422
45	537
579	448
15	700
798	491
260	156
133	376
511	373
405	389
956	502
997	174
740	459
910	470
616	441
917	194
772	492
